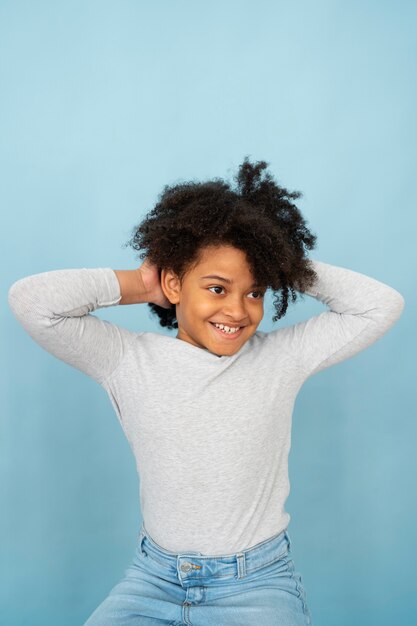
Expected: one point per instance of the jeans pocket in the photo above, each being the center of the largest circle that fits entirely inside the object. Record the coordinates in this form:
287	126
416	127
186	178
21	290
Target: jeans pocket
279	563
277	567
301	591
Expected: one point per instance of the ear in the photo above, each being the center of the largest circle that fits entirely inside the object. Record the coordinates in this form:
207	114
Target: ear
170	285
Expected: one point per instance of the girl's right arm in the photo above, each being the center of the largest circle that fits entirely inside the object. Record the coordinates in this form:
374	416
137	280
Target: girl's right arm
55	310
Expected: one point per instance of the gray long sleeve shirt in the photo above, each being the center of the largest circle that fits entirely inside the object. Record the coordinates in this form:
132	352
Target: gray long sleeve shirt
210	435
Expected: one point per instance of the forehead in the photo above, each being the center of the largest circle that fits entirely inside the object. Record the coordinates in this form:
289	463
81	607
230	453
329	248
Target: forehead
223	262
226	257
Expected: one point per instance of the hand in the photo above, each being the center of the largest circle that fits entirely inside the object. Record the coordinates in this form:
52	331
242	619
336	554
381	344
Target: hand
149	275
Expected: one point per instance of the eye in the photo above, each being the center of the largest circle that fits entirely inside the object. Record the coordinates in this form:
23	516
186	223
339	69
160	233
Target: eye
216	287
260	293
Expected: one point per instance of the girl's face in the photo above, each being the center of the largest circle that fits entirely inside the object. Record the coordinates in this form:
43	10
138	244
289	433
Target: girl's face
230	298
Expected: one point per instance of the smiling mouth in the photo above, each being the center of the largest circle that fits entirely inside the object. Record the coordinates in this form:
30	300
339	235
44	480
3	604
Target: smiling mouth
226	335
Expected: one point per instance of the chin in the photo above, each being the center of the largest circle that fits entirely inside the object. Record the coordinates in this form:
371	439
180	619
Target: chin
227	351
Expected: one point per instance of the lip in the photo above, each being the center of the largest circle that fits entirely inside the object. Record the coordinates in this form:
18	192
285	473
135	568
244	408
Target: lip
223	335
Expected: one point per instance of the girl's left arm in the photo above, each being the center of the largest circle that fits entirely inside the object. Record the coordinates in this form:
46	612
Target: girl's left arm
361	310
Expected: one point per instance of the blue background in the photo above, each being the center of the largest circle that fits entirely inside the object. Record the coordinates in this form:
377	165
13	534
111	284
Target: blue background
102	103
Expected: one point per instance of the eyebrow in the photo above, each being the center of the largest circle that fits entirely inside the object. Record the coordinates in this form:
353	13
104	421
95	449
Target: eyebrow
226	280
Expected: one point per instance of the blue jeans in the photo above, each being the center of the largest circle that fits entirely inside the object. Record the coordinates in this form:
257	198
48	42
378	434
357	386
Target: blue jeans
255	587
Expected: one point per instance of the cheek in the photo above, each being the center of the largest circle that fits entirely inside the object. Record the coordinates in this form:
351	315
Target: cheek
204	308
259	315
199	311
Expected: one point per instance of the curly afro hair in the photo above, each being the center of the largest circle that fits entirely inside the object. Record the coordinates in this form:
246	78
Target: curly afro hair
256	216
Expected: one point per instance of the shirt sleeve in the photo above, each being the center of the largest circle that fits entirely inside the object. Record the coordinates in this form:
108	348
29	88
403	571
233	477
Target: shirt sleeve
361	310
55	309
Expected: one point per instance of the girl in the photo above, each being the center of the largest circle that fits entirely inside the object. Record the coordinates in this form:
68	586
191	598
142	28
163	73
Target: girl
208	413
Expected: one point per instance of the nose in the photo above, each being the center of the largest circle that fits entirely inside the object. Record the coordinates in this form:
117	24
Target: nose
235	311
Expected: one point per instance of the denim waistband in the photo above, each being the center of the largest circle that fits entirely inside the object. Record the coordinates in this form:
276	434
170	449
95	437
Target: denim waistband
198	567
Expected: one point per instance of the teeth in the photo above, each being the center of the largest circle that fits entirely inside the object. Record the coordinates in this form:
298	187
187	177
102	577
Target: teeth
226	329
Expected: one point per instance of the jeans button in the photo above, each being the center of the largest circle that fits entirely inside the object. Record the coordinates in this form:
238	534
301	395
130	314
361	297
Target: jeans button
185	567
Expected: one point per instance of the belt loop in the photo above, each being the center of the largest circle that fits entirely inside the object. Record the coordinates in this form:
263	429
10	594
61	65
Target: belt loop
140	539
241	565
